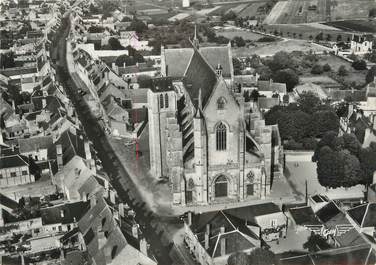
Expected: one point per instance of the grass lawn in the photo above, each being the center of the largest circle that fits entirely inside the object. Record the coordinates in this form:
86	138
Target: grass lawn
335	62
231	33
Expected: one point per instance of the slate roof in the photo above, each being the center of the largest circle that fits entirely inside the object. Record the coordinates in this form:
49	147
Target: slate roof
177	60
267	103
18	71
250	212
364	215
138	115
8	202
34	143
235	232
350	238
199	75
162	84
72	145
65	213
304	216
12	161
271	86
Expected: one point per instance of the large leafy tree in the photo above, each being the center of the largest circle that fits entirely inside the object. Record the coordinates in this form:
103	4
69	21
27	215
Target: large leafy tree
308	102
238	258
260	256
368	163
287	76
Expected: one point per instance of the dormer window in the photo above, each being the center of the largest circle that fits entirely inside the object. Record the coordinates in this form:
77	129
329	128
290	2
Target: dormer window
221	102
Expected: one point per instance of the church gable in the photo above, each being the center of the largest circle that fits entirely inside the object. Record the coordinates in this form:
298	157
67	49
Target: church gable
222	103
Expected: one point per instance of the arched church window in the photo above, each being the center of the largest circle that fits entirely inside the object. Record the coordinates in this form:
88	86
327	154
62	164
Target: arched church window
166	100
221	135
221	102
250	186
221	186
189	191
161	101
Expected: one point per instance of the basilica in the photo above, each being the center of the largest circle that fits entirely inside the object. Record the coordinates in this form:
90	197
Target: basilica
212	145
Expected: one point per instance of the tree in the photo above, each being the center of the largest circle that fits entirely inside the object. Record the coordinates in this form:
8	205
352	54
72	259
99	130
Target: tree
371	74
319	37
260	256
317	69
239	41
342	109
308	102
138	26
287	76
342	71
237	66
351	169
238	258
371	56
368	163
330	168
113	44
359	65
315	243
326	68
325	121
231	15
280	60
7	60
254	95
372	13
264	72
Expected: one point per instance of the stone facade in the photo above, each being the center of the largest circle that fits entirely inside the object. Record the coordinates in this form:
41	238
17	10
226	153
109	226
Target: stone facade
206	141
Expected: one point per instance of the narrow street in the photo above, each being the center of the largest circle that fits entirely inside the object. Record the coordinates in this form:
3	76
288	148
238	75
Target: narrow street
159	231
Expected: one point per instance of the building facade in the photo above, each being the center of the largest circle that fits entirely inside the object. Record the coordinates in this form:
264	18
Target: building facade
211	145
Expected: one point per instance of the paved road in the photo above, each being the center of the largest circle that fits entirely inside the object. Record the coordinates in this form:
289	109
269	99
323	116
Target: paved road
159	231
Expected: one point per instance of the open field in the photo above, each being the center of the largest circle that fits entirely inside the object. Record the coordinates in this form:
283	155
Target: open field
231	33
274	47
303	11
251	10
307	31
355	25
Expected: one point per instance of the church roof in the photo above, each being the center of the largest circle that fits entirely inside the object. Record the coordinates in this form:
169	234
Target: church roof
177	60
199	75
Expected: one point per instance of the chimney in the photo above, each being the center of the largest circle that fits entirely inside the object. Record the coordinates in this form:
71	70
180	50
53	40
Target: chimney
223	241
206	240
135	231
87	150
62	213
101	238
1	219
189	218
112	197
121	209
59	156
93	201
144	247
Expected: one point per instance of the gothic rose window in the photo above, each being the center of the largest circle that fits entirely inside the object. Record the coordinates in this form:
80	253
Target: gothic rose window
251	177
221	135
